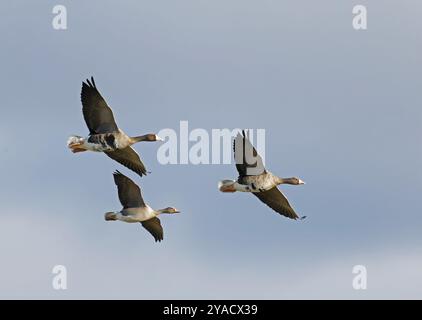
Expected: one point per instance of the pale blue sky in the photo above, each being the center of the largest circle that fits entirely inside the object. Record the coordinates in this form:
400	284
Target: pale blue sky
341	109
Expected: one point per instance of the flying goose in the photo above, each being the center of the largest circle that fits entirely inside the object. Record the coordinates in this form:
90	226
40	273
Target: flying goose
135	209
104	134
256	179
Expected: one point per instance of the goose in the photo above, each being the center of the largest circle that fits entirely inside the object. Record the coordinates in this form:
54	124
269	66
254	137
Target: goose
104	134
256	179
135	209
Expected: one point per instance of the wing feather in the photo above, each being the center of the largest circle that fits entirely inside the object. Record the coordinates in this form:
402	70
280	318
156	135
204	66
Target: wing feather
97	114
129	158
154	227
277	201
130	195
248	161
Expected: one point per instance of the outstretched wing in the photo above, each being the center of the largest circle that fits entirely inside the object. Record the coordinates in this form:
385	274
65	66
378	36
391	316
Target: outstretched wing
154	227
277	201
129	158
248	161
97	114
129	192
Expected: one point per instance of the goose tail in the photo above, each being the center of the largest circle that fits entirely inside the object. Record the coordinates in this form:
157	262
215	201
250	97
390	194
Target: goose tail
110	216
226	186
76	144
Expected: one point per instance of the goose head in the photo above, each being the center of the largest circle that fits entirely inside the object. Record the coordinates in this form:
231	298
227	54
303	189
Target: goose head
169	210
145	137
152	137
157	138
297	181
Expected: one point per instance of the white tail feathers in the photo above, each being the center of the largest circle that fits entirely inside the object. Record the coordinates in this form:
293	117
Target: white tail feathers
74	140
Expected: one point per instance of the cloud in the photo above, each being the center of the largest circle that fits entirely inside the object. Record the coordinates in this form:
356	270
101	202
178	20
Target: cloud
104	267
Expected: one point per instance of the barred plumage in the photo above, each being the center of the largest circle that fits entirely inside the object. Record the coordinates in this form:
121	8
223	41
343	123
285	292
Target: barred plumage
104	134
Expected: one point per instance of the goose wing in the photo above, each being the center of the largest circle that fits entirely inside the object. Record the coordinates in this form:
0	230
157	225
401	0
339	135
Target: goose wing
154	227
129	192
97	114
277	201
129	158
244	155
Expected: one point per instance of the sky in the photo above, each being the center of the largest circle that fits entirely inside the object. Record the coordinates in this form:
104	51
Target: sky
341	109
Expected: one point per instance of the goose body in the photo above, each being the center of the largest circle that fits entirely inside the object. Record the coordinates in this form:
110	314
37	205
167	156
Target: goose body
254	178
137	214
259	183
104	134
135	209
105	142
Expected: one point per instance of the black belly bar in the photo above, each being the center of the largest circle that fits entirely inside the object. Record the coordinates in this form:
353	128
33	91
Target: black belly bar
107	140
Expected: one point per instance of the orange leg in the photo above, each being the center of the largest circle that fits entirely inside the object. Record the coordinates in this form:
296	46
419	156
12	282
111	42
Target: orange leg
75	150
229	188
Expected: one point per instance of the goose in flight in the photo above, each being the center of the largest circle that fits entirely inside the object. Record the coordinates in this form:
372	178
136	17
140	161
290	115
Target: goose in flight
254	178
135	209
104	134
